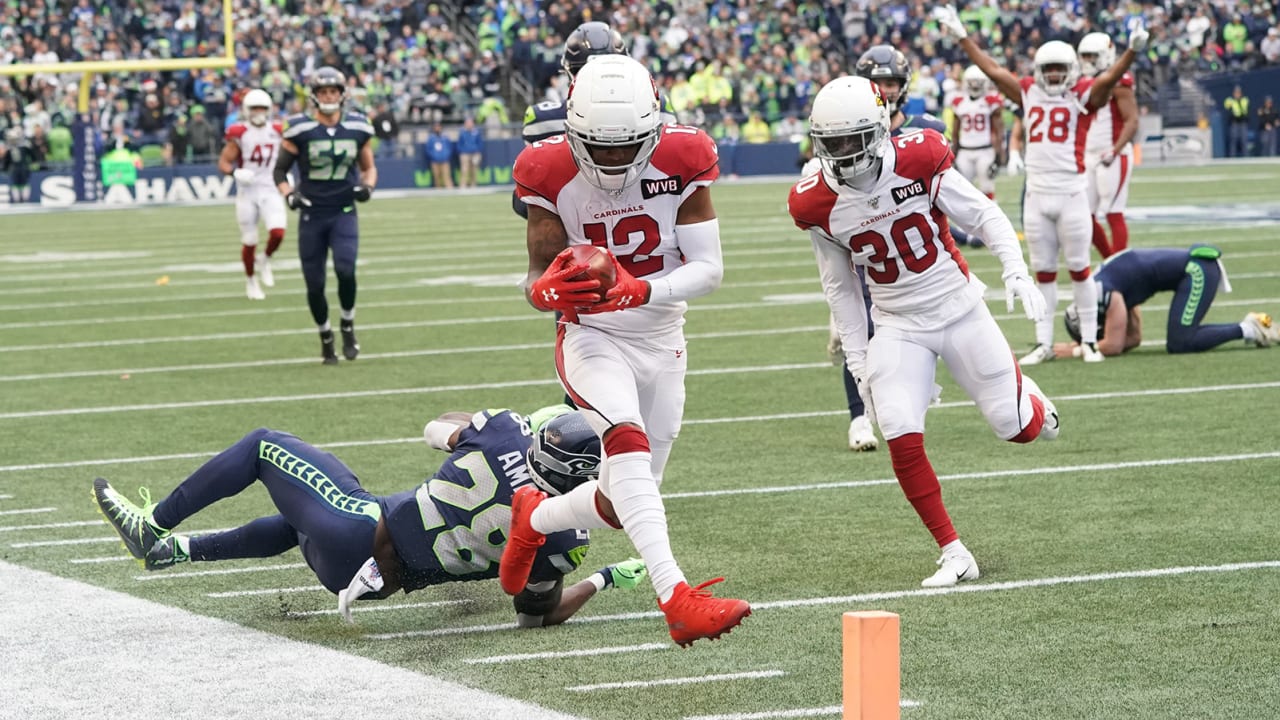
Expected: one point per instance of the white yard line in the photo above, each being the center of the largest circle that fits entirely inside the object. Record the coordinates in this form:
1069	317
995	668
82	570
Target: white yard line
183	575
265	591
28	511
876	597
559	654
52	526
828	711
381	607
630	684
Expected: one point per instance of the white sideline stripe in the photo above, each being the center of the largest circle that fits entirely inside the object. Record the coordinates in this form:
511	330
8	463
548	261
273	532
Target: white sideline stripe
702	421
310	360
224	571
263	591
751	675
873	597
373	393
27	511
6	497
381	607
92	540
557	654
51	526
101	635
830	710
95	560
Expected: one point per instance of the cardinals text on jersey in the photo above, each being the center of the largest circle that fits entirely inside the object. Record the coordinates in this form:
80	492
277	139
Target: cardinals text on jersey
1056	127
1107	124
974	120
914	271
638	225
259	147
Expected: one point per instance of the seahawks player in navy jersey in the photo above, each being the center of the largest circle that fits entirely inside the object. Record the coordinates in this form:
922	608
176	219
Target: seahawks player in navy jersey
336	170
1131	277
546	119
450	528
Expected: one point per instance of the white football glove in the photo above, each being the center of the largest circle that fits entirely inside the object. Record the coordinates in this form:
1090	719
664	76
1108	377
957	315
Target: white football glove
1018	285
1139	38
864	392
367	580
948	18
242	175
1107	158
1016	165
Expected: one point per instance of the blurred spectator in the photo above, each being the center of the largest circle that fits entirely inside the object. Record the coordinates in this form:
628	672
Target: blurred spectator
1270	46
1268	128
470	151
386	128
1237	107
151	124
178	148
17	158
756	130
439	151
202	135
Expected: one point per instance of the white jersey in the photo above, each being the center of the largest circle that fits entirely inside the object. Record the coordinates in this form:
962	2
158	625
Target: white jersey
259	147
638	225
1056	129
898	231
974	119
1107	124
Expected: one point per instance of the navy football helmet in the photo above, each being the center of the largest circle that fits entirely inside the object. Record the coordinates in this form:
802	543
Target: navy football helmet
328	77
565	453
885	62
587	40
1071	318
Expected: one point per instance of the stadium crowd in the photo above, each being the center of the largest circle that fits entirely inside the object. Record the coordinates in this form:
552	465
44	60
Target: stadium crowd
745	70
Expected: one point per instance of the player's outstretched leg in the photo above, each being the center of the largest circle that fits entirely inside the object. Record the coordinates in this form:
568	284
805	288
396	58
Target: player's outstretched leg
522	541
134	524
694	613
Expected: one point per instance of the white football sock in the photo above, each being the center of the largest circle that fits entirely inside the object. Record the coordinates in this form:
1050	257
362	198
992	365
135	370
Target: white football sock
1086	297
1044	328
639	507
1250	333
576	510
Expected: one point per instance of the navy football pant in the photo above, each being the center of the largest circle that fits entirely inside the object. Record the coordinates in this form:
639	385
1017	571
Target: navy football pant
1191	301
323	509
320	231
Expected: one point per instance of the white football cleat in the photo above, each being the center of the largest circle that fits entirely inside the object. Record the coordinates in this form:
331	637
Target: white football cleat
1091	353
252	290
1039	354
1265	332
955	565
861	435
262	267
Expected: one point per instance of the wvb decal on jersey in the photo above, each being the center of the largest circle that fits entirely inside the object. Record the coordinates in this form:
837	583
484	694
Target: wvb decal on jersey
673	185
903	193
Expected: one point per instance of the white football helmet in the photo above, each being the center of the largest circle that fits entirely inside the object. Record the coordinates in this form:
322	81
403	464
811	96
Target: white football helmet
257	106
1097	53
1061	57
849	125
976	83
613	103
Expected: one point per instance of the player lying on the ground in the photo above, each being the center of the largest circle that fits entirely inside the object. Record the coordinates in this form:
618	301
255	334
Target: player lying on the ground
1129	278
450	528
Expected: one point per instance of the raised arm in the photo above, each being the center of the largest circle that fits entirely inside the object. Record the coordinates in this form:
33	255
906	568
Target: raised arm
1006	81
1106	81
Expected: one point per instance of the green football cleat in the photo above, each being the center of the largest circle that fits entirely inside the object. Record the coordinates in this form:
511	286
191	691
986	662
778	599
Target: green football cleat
133	523
167	552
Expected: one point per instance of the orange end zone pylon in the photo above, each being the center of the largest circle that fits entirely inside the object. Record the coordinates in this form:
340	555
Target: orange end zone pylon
872	677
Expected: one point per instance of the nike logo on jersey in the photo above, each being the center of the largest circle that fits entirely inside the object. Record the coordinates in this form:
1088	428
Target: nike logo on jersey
663	186
905	192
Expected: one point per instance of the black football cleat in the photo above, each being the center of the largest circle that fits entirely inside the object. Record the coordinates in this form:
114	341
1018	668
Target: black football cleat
350	348
326	348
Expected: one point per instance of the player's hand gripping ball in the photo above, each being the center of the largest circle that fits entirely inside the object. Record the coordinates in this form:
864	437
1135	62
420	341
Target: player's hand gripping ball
599	265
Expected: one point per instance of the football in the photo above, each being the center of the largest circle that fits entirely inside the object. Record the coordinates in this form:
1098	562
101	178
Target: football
599	265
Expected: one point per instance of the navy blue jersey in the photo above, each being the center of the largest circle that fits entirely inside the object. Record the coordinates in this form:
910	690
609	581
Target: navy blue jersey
1137	274
916	123
454	525
328	157
545	119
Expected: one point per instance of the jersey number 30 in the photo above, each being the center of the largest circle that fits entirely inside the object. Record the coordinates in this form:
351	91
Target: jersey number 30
885	269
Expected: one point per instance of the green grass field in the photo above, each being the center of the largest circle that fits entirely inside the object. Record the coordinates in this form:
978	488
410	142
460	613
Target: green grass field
1165	464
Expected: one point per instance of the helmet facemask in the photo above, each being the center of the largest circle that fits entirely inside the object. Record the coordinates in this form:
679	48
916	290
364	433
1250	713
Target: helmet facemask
613	178
849	154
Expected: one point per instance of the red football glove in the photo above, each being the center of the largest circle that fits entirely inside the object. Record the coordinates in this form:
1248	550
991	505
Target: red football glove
627	292
555	291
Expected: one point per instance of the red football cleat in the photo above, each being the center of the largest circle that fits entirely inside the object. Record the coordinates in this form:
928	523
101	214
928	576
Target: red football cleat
522	541
693	613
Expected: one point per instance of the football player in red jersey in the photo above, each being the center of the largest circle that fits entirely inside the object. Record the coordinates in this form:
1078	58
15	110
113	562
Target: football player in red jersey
619	179
882	203
1108	150
1058	108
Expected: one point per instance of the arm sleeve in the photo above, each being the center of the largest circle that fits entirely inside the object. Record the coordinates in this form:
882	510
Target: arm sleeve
978	214
284	162
843	290
703	265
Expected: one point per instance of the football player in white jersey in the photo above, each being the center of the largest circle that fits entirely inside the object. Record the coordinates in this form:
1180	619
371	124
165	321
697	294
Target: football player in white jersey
250	156
619	179
1108	150
882	203
977	125
1058	106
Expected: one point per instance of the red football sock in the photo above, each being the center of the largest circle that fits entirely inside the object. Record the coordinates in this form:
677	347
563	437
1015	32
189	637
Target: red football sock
275	236
1119	231
1032	429
246	257
1100	239
920	485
